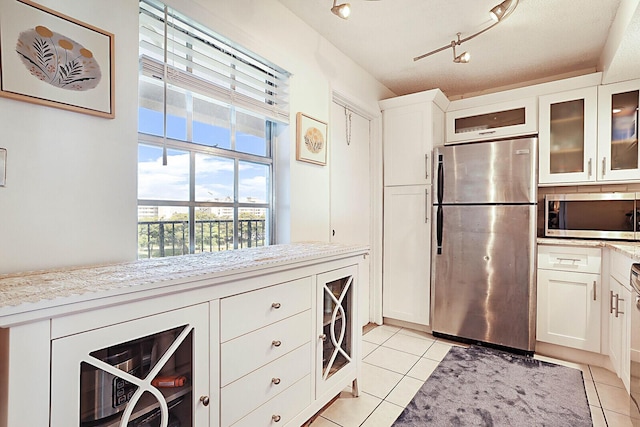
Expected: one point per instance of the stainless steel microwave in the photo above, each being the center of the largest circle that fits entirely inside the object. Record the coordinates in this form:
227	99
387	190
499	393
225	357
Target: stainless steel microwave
593	215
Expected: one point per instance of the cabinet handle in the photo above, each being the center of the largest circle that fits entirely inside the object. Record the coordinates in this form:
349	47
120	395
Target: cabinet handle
426	206
489	132
276	305
426	166
594	290
204	400
276	343
604	166
275	381
610	302
323	337
589	167
276	418
618	299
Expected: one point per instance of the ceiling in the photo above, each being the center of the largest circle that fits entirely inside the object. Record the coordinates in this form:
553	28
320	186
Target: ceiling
540	40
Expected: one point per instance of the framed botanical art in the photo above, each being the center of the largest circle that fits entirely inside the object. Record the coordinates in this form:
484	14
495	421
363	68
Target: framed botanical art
311	140
52	59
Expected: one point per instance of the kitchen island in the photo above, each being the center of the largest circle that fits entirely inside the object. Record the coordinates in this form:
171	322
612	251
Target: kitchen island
232	319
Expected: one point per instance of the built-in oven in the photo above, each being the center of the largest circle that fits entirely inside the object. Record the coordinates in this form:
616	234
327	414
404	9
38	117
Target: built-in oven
635	345
593	215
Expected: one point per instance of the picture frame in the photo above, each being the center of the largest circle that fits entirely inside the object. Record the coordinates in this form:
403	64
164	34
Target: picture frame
52	59
311	139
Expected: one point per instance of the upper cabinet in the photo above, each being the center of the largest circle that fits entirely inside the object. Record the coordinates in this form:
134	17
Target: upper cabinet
412	124
619	157
568	136
590	135
511	118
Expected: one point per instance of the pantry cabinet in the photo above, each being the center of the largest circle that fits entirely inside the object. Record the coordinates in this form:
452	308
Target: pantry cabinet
619	311
569	295
413	125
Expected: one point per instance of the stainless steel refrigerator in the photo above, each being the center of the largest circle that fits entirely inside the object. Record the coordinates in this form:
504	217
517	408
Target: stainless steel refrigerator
483	280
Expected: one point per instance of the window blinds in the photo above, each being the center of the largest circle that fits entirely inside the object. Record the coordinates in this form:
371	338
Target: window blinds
181	53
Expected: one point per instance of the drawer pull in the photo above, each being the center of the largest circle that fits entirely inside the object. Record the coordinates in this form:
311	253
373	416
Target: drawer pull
276	418
276	381
276	305
204	400
276	343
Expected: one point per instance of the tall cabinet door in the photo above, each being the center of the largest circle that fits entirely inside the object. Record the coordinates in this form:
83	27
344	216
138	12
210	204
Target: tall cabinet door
568	135
407	253
408	139
154	368
618	153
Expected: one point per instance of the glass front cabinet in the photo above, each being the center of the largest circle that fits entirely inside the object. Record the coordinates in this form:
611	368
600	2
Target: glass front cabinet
337	333
148	372
568	136
619	157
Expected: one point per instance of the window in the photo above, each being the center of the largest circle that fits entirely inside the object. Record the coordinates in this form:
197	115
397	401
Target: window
208	113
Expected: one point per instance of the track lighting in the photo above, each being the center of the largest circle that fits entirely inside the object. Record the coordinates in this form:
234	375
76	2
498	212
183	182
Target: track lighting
498	14
343	10
464	57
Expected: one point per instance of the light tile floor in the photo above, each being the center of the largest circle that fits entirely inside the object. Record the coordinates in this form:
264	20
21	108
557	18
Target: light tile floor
397	361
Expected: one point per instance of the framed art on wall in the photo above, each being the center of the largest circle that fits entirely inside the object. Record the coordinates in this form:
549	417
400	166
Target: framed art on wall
52	59
311	140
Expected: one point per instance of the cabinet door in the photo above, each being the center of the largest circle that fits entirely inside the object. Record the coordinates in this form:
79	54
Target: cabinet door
147	369
511	118
616	323
407	254
618	153
338	329
408	139
569	309
568	131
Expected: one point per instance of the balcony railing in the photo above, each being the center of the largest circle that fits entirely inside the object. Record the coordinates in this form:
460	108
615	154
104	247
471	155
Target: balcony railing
168	238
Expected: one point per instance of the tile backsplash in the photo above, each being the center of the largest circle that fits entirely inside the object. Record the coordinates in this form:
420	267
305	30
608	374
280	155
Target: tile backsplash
571	189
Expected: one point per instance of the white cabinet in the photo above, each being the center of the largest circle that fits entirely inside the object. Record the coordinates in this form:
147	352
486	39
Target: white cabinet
510	118
590	135
407	253
568	136
569	296
150	368
413	125
618	153
619	309
409	134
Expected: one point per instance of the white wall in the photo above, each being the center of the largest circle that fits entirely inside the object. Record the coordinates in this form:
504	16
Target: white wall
70	196
71	189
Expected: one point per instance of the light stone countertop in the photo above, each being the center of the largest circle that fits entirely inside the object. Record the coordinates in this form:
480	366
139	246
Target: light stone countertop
37	290
630	249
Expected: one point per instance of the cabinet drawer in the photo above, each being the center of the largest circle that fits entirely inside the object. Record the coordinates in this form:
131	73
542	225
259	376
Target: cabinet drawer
249	392
620	266
252	310
248	352
284	407
570	258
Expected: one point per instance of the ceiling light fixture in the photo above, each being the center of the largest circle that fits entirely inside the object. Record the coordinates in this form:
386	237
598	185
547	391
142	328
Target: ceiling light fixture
498	14
342	10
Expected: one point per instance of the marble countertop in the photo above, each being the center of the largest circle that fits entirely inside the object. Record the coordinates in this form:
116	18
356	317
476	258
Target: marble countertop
45	289
630	249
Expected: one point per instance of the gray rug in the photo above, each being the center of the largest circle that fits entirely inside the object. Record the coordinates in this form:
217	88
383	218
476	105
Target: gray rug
477	386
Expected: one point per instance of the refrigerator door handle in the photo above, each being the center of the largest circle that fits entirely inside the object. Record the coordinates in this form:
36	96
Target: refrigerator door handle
439	231
440	179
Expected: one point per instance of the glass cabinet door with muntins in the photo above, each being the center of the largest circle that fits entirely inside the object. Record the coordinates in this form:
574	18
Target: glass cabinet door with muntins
338	314
618	126
146	381
567	133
